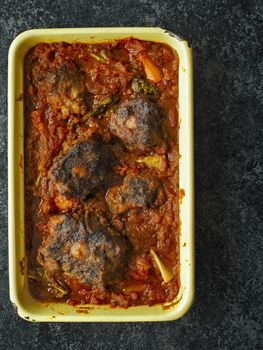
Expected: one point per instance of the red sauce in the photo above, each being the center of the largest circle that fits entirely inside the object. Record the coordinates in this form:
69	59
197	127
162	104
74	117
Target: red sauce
119	98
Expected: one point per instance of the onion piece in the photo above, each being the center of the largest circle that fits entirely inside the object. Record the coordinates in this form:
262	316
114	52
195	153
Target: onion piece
138	287
155	161
167	275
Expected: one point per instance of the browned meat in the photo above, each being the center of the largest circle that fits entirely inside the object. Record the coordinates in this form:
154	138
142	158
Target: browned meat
142	191
137	124
66	87
82	170
96	256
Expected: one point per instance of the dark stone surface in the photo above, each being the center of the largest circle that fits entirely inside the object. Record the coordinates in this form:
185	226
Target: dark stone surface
226	38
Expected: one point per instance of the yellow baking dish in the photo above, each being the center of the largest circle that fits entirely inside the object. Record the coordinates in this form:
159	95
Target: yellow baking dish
26	306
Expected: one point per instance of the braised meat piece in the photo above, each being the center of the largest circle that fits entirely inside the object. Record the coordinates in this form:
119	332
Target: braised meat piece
68	94
93	254
82	170
66	87
142	191
137	124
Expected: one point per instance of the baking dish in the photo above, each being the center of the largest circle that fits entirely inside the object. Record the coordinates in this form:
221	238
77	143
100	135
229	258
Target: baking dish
31	309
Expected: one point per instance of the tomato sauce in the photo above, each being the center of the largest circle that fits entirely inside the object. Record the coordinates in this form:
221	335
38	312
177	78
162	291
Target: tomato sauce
101	172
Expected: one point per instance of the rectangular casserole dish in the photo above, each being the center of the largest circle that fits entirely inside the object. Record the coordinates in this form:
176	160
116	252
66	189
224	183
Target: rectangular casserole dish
31	309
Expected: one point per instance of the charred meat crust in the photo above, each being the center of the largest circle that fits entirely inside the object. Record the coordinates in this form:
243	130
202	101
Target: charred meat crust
83	169
94	257
142	191
137	123
66	85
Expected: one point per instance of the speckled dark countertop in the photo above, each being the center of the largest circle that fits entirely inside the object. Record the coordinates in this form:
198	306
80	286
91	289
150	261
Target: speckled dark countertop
226	39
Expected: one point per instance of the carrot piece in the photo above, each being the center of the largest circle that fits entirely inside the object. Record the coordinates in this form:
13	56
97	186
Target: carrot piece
151	70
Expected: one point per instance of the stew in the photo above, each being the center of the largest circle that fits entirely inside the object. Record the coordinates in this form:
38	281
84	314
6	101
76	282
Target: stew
101	172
